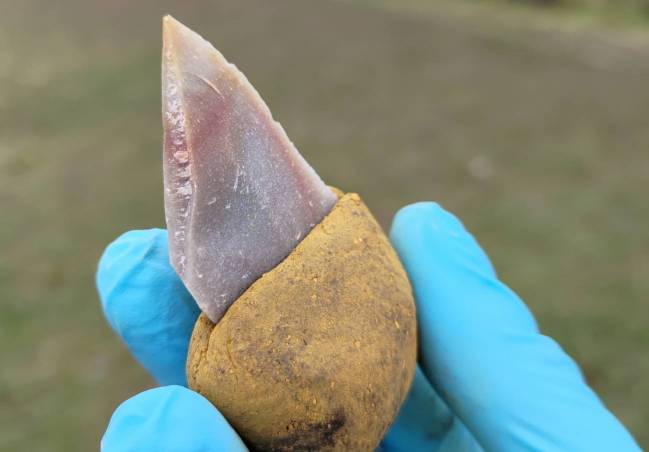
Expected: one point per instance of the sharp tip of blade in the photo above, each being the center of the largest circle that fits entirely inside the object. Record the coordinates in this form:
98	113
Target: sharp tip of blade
177	36
168	21
173	29
168	24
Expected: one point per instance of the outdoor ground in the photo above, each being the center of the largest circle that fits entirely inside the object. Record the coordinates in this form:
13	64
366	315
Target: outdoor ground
531	126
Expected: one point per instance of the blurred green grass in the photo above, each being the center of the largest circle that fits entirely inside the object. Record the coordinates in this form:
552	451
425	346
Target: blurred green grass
611	12
536	136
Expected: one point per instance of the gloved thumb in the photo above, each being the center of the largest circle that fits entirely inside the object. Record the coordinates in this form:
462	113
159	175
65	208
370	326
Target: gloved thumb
169	418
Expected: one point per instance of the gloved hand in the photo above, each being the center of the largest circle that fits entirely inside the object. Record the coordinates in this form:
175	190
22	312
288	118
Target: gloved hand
487	379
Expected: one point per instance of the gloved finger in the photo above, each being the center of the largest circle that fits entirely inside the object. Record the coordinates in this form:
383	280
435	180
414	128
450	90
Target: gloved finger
425	423
146	303
480	348
169	418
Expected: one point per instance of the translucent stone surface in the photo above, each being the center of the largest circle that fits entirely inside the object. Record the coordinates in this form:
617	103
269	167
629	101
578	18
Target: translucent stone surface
238	195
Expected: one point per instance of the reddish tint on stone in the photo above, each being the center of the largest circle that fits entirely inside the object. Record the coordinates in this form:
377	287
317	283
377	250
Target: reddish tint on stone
238	195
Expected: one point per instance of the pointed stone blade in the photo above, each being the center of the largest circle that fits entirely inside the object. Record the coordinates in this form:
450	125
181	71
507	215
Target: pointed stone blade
238	195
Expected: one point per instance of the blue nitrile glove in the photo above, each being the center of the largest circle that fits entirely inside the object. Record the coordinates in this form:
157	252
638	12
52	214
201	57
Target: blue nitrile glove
487	379
148	306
